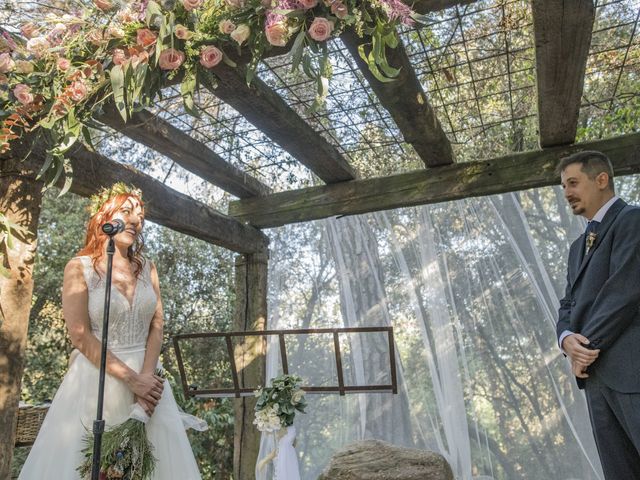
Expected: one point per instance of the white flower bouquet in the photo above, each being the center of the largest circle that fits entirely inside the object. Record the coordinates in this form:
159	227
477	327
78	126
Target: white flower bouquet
277	405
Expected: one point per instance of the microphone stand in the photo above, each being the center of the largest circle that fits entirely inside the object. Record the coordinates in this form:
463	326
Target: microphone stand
98	424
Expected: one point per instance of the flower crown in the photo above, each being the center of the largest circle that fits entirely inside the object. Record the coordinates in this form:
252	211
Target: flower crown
106	193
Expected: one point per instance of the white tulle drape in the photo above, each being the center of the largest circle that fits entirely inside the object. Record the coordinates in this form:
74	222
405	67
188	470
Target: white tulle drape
471	288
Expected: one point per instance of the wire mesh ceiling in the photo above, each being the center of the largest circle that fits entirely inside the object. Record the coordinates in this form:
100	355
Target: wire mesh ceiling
477	64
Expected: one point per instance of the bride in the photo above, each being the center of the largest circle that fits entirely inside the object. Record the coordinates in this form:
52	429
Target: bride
134	341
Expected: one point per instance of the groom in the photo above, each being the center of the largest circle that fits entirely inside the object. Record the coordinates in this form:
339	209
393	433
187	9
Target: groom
599	319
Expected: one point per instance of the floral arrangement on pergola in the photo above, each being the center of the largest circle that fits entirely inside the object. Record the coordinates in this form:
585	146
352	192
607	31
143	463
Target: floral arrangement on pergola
56	75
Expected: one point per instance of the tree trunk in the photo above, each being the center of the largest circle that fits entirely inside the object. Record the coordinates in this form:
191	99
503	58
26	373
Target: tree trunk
251	314
20	201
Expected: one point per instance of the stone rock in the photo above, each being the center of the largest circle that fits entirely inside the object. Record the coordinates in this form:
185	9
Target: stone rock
376	460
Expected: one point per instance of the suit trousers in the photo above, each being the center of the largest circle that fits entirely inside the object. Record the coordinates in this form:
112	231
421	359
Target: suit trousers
615	420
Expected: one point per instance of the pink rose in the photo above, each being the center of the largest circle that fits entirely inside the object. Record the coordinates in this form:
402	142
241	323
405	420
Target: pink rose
104	5
235	3
170	59
277	34
145	37
77	91
320	29
183	32
226	26
23	94
241	33
63	64
6	63
119	56
191	4
38	46
210	56
308	4
29	30
339	9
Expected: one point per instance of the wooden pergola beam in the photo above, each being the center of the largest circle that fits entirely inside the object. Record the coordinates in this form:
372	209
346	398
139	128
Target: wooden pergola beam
163	205
265	109
406	102
514	172
562	31
158	134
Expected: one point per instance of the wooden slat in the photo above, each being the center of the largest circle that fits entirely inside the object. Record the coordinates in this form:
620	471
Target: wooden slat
514	172
163	205
265	109
563	34
406	102
158	134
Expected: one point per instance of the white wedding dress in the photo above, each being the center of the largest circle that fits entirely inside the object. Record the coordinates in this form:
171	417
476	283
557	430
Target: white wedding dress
56	452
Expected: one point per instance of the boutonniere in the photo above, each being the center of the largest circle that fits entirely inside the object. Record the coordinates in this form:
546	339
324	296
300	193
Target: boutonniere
591	240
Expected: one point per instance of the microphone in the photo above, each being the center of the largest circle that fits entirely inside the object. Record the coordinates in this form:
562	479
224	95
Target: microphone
113	227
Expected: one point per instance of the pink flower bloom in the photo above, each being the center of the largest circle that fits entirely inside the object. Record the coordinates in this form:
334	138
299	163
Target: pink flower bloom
63	64
104	5
23	94
210	56
241	34
29	30
277	34
145	37
119	56
170	59
139	57
226	26
191	4
320	29
339	9
183	32
7	43
38	46
77	91
6	63
308	4
397	10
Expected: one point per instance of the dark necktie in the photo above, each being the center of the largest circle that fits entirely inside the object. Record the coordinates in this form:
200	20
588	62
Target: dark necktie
590	235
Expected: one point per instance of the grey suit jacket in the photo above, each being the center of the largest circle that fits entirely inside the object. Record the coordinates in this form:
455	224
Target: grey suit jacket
602	298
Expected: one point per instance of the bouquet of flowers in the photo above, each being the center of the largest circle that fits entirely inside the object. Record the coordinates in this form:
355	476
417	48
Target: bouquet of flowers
127	453
277	405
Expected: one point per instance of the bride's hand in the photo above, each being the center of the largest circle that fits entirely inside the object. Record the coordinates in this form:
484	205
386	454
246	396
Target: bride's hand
147	387
149	408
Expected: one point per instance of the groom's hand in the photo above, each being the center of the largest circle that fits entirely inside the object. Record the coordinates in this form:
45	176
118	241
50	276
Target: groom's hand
579	370
575	346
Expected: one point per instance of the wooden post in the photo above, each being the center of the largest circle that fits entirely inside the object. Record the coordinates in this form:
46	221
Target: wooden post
20	201
251	314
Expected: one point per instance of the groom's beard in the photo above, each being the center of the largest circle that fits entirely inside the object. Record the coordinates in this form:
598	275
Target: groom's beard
576	207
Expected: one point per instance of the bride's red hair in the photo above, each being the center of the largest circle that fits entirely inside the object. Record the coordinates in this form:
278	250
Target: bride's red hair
94	245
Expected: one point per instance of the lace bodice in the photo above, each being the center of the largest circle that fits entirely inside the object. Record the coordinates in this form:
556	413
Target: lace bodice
128	324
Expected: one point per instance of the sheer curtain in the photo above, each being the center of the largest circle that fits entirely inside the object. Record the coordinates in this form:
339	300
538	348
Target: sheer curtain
471	288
